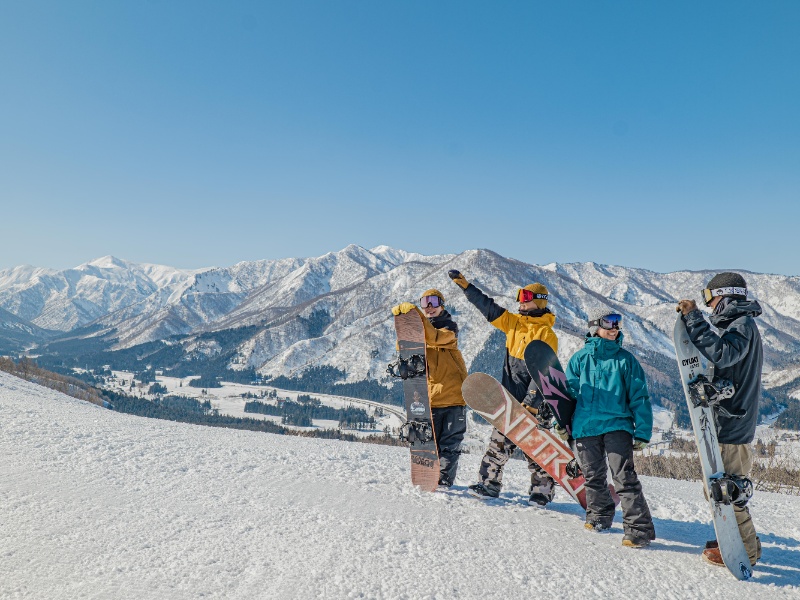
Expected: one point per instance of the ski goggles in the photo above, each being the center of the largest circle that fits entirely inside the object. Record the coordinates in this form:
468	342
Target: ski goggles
607	322
524	295
432	301
709	295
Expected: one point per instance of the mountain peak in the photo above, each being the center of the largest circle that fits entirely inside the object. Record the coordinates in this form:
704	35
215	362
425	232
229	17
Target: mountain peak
107	262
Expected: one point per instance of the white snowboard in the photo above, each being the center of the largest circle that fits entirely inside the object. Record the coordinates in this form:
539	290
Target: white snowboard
691	364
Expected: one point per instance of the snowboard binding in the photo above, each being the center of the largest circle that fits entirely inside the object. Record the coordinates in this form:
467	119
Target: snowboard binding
416	432
731	489
546	416
707	393
573	469
413	366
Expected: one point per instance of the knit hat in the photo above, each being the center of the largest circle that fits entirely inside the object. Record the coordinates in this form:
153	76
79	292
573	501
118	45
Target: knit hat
729	283
597	313
433	292
538	288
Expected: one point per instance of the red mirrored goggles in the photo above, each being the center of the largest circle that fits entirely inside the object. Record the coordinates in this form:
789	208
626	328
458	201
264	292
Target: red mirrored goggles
433	301
524	295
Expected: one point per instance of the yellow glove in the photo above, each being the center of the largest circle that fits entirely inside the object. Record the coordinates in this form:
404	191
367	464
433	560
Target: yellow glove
561	432
639	445
402	308
458	278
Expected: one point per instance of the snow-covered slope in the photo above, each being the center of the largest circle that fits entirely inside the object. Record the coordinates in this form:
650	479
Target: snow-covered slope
97	504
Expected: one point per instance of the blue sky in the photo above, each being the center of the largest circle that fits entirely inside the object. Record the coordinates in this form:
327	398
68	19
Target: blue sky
646	134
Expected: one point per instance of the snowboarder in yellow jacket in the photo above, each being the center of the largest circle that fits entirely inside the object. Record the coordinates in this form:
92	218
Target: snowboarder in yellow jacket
534	322
446	373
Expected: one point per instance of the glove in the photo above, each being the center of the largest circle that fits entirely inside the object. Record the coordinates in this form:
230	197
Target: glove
561	432
458	278
639	445
402	308
686	306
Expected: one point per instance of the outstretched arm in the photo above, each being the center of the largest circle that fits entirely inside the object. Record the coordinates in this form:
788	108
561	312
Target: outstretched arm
486	305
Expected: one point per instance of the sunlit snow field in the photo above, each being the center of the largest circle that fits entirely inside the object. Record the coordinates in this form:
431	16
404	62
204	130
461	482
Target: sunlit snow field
97	504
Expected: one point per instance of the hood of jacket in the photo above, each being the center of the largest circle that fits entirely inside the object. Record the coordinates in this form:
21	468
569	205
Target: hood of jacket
603	348
733	310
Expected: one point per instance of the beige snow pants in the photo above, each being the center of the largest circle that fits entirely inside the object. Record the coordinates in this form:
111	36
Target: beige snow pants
737	459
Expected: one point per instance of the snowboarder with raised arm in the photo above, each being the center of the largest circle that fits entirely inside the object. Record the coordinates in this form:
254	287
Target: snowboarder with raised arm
534	322
613	417
446	372
737	356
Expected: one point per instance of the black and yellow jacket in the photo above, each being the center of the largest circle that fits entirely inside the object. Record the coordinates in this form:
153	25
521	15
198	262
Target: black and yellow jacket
520	330
446	368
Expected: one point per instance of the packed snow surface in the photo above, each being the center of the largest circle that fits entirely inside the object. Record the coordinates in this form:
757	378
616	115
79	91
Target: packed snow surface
97	504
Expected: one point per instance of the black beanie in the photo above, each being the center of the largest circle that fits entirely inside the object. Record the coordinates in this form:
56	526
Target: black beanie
725	280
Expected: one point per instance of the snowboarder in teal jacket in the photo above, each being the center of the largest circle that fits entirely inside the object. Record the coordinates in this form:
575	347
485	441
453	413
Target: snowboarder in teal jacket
613	416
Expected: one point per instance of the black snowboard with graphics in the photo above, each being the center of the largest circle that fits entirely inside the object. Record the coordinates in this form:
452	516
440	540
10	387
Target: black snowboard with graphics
548	375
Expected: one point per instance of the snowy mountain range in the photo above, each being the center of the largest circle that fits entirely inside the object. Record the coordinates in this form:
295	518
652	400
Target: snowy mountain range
282	317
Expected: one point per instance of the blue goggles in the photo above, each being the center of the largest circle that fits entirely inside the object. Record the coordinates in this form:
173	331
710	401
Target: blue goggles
607	322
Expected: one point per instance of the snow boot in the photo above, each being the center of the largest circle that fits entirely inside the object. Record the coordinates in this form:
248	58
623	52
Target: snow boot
712	556
538	499
596	526
635	540
479	490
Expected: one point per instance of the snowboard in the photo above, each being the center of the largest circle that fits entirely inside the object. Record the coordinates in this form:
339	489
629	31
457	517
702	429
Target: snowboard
691	364
487	396
418	428
548	375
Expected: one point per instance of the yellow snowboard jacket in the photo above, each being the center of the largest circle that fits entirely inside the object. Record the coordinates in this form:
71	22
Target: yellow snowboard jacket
446	367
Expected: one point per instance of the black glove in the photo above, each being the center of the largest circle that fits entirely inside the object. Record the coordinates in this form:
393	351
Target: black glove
458	278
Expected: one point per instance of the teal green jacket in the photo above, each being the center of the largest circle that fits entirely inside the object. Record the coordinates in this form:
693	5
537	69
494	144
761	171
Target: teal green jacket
609	385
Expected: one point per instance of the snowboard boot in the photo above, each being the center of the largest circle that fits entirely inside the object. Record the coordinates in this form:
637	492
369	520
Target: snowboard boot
711	553
596	526
635	540
479	490
538	499
444	484
712	556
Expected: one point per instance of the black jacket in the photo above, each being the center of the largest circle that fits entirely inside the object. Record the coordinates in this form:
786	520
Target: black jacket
737	355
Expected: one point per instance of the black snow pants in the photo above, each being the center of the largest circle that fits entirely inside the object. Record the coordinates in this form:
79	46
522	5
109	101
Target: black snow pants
591	453
449	426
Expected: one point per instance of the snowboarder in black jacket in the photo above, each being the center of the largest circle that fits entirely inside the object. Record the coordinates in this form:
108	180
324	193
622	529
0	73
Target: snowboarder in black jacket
737	355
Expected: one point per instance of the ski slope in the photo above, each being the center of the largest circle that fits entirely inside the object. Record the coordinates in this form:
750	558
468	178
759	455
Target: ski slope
96	504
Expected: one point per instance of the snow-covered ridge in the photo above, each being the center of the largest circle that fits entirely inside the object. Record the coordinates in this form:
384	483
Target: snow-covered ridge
105	505
334	309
